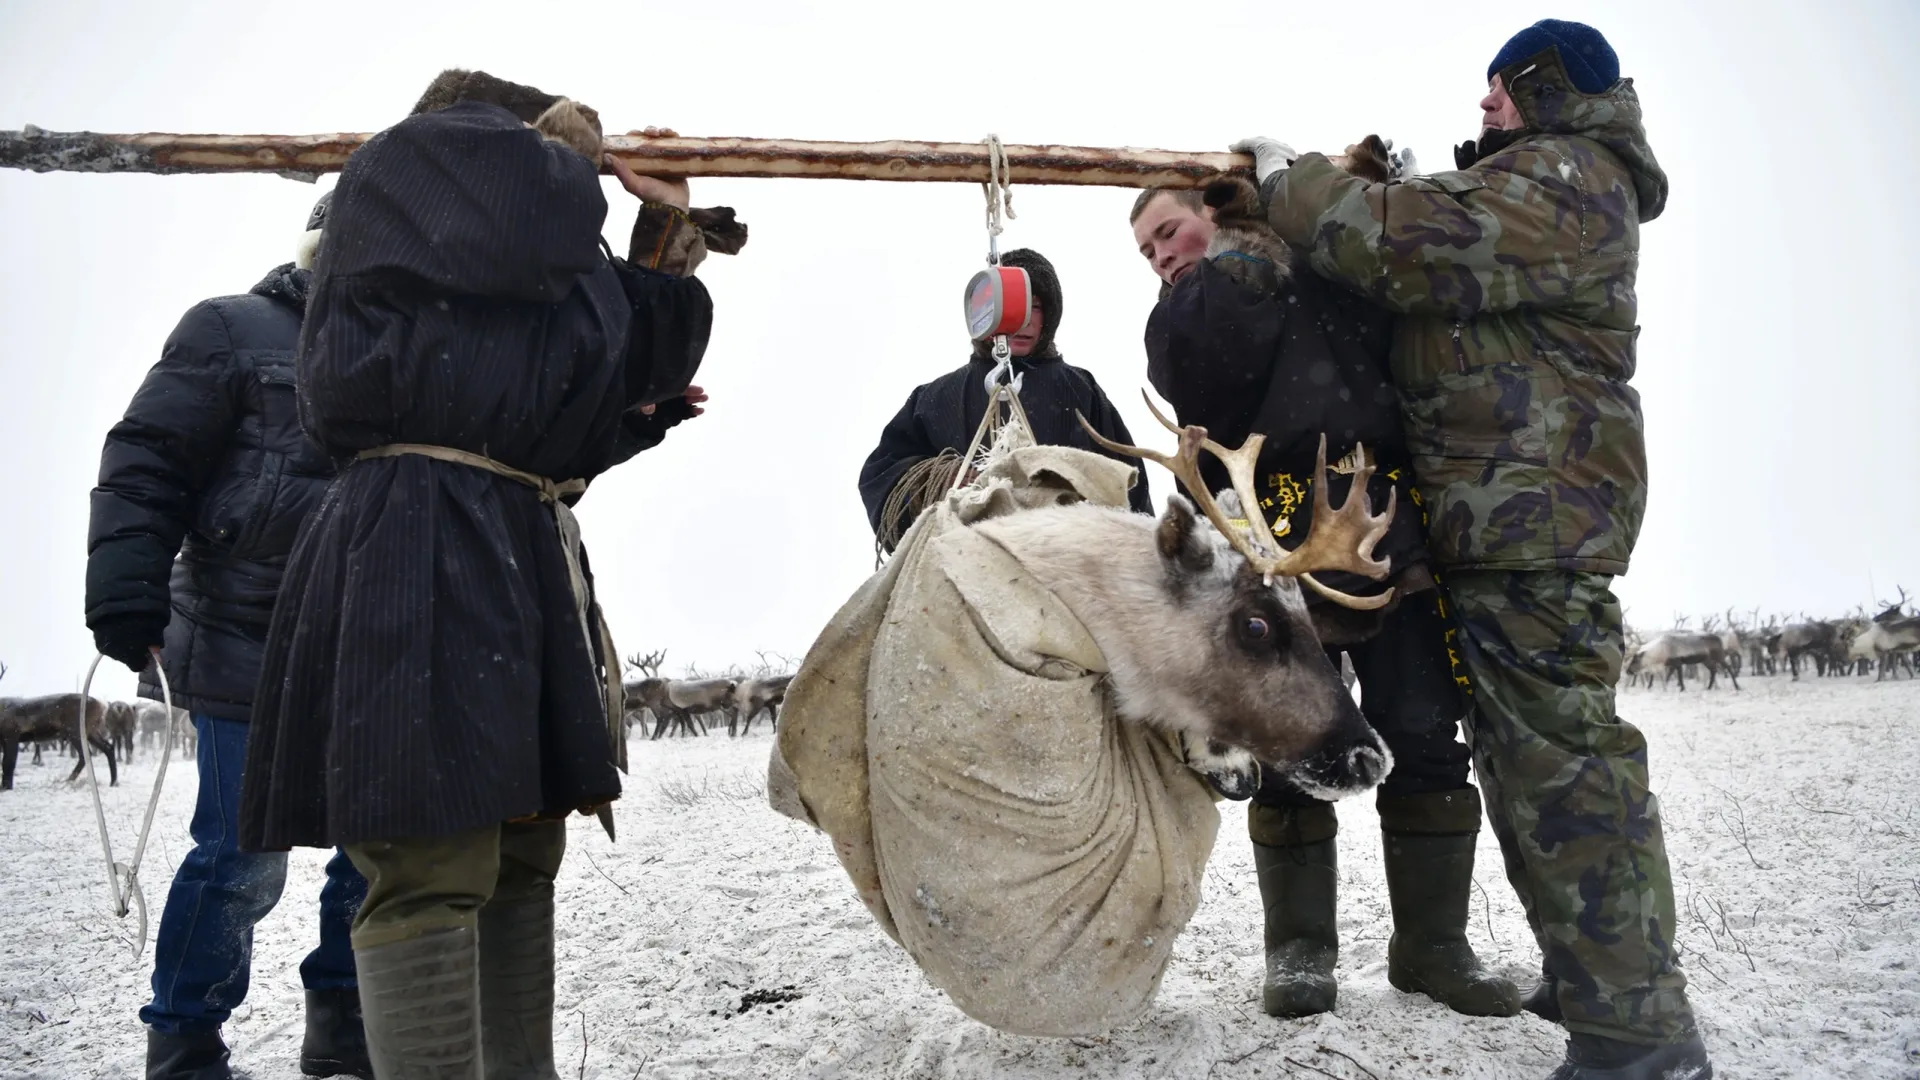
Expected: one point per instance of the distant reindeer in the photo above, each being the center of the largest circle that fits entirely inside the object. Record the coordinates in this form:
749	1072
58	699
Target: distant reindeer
678	705
1762	645
647	665
49	718
692	699
123	721
1676	649
1888	639
1807	639
756	695
1732	645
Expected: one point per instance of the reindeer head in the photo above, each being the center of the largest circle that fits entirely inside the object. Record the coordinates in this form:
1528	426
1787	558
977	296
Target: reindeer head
1201	618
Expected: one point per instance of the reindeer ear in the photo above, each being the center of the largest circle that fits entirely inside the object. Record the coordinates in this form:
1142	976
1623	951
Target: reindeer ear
1183	546
1220	193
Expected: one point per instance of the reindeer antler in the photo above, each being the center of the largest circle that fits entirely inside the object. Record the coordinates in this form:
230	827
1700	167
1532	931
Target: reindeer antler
1341	539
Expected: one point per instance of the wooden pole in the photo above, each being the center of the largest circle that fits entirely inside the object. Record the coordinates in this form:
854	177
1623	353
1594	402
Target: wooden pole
305	157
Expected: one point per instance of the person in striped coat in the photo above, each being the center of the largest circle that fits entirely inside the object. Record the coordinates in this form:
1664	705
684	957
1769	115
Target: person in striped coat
434	691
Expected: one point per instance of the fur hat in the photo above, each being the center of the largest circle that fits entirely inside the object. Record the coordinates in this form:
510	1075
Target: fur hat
456	85
558	118
1584	52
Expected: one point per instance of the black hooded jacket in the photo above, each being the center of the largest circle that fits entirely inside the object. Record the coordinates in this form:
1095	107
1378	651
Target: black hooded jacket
209	464
1310	360
945	413
427	671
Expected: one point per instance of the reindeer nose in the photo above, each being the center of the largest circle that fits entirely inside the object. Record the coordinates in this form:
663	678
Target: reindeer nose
1369	763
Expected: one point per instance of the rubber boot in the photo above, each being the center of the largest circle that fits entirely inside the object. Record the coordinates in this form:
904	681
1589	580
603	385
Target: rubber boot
1591	1057
1293	854
196	1056
336	1041
420	1002
1543	1000
516	987
1429	885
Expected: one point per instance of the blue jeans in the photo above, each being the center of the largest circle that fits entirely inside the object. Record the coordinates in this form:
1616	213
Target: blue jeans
204	948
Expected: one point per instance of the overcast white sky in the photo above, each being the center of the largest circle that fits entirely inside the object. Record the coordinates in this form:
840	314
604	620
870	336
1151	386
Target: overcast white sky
1777	292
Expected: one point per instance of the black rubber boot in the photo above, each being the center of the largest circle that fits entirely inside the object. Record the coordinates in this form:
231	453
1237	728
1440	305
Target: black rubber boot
1293	854
1429	842
1591	1057
516	988
200	1056
1543	1000
420	1002
336	1042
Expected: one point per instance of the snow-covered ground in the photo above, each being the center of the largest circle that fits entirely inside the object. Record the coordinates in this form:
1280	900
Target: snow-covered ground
1792	814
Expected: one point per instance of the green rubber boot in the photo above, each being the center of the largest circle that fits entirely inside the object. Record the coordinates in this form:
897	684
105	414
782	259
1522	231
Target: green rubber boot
420	1001
1429	842
516	987
1293	853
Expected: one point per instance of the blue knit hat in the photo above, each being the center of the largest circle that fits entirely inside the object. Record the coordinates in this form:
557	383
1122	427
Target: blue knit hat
1584	52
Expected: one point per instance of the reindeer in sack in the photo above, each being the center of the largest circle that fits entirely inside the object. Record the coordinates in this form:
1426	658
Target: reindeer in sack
1003	730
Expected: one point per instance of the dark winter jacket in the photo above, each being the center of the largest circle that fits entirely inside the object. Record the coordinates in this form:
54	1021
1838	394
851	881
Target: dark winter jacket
1309	360
209	464
944	414
426	672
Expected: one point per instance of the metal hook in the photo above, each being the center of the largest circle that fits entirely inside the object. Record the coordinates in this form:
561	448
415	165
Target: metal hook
1002	368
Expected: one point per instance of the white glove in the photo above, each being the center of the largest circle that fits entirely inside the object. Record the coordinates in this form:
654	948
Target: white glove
1403	163
1269	155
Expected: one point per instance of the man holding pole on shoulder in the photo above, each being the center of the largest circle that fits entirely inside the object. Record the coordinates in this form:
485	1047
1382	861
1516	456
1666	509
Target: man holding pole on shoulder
439	690
1513	278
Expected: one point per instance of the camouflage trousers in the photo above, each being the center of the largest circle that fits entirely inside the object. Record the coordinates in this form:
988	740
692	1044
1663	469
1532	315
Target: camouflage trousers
1565	783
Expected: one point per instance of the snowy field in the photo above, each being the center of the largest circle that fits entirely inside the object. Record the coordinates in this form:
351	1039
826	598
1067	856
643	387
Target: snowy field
719	939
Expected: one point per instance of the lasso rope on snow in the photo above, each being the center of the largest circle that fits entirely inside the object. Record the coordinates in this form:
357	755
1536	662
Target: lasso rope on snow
123	879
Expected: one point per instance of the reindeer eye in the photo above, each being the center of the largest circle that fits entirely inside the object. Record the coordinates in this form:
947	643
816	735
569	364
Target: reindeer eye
1257	628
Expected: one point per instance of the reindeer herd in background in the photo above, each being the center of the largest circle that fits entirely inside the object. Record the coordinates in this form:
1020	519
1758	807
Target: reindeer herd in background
53	720
1856	644
1724	646
683	706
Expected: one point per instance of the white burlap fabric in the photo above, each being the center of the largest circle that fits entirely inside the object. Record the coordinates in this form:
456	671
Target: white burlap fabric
952	730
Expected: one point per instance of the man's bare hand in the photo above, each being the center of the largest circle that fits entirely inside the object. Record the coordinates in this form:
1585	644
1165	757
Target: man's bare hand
695	398
650	188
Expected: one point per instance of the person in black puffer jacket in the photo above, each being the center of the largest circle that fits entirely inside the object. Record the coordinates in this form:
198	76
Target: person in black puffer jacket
1247	342
210	464
920	447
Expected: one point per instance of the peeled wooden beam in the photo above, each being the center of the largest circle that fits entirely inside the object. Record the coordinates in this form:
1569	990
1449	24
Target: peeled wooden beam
307	156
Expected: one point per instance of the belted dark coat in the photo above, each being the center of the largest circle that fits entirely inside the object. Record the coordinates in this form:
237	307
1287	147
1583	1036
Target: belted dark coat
426	672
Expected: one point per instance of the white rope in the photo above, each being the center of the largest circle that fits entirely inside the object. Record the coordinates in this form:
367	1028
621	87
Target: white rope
999	192
123	879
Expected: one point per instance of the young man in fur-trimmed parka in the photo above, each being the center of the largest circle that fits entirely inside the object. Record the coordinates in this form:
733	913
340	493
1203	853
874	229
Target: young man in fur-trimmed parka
438	692
210	465
1246	340
918	454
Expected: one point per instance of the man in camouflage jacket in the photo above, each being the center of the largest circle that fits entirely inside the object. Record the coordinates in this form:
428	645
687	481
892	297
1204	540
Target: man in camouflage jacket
1514	281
